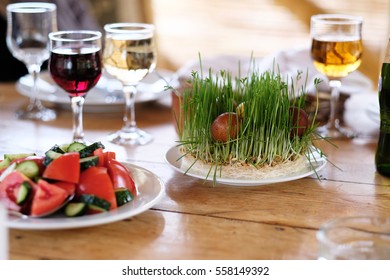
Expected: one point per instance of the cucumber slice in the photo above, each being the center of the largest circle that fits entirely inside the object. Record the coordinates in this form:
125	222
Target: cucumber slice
76	147
123	196
64	147
29	168
23	193
12	157
88	151
75	209
88	162
5	163
57	149
96	209
50	156
91	199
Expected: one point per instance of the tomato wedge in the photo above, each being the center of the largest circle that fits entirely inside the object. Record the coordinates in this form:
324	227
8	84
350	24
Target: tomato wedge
120	176
107	156
9	188
95	180
64	168
69	187
47	198
99	152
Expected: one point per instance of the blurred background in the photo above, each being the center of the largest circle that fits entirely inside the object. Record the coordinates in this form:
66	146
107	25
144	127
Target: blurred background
231	27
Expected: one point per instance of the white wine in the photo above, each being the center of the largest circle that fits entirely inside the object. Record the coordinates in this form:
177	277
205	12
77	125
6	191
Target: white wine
129	55
129	60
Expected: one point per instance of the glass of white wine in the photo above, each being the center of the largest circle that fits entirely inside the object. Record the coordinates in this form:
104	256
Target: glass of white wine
129	55
336	52
28	27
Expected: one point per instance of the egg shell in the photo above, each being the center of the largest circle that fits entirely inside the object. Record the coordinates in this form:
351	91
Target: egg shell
225	127
300	121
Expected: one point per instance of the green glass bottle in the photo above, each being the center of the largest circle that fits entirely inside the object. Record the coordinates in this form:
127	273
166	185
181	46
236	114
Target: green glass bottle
382	157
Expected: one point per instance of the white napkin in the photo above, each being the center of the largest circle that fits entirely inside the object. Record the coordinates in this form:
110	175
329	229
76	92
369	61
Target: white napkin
288	63
361	113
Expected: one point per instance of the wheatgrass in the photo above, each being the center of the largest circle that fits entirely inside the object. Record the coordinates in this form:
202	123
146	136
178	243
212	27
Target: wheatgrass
264	134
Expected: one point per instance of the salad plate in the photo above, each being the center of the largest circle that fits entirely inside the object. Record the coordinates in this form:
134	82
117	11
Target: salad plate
106	96
172	157
150	190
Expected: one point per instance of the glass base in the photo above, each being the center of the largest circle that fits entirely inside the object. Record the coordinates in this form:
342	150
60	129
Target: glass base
41	114
132	137
337	132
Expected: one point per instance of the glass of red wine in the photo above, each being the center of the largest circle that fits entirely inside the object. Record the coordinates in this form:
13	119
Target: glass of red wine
75	65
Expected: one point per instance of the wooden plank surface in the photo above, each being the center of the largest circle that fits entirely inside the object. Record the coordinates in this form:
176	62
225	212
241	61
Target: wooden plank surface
195	220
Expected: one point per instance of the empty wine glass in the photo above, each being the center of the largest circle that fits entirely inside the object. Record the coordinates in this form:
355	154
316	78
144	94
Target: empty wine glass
28	26
75	65
336	52
129	55
354	238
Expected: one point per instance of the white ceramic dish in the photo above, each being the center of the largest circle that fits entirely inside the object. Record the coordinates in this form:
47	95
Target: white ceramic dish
317	163
106	96
150	187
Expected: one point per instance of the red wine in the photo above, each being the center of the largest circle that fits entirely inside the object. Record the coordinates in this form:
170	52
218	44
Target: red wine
76	70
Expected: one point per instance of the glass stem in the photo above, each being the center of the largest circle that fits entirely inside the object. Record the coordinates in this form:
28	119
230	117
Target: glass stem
35	103
334	122
77	109
129	124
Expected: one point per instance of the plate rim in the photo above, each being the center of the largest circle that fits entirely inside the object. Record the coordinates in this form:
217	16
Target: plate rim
54	98
173	153
115	215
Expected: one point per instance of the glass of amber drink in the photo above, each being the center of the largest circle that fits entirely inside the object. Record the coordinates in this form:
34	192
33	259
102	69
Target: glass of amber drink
336	52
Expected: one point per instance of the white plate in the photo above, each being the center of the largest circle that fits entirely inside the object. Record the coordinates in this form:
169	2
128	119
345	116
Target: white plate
150	187
317	164
106	96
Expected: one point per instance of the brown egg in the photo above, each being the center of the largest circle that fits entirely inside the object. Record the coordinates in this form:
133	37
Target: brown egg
225	127
300	121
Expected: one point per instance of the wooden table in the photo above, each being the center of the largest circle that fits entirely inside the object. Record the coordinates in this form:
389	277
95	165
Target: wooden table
195	220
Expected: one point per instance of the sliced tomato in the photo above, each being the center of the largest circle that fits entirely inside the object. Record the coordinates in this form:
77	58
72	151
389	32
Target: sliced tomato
107	156
99	152
64	168
120	176
9	188
47	198
69	187
95	180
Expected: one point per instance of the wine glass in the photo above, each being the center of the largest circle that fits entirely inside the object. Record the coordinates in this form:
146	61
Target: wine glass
28	26
336	52
129	55
75	65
